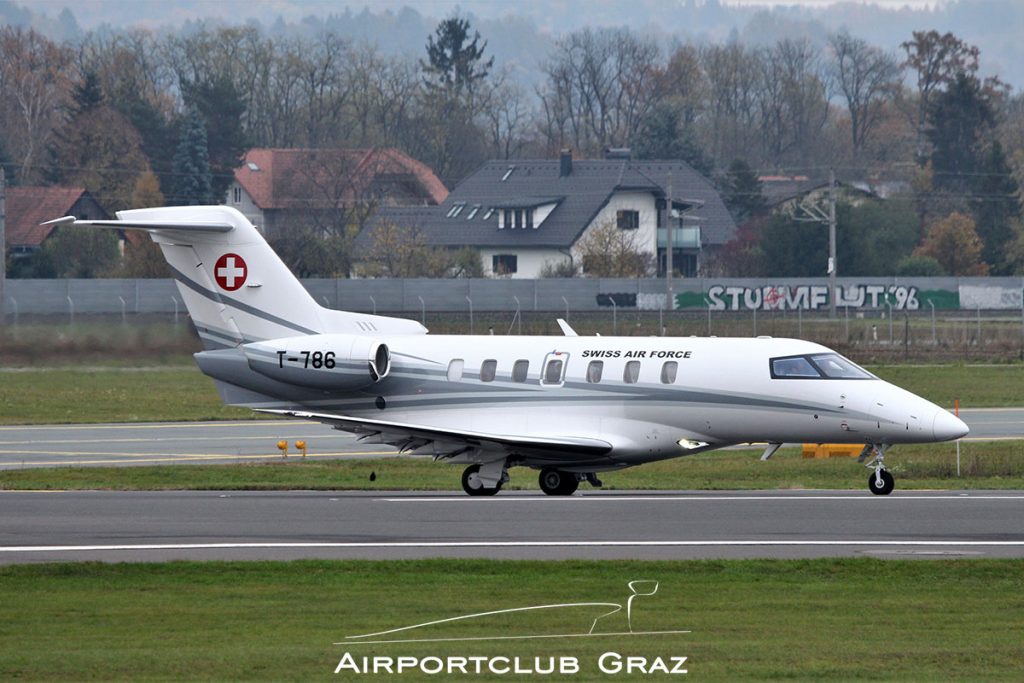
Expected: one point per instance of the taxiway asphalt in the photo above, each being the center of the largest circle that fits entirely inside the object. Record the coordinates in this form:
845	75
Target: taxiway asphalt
161	526
256	440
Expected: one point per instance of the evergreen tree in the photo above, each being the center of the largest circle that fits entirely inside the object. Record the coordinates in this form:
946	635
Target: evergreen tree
455	63
742	191
661	137
961	118
88	94
995	207
221	107
192	180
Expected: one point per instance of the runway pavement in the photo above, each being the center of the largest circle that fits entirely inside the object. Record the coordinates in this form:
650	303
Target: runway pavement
255	440
160	526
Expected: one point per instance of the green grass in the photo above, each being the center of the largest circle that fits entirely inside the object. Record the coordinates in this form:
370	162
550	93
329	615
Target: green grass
977	386
126	394
984	465
813	620
57	395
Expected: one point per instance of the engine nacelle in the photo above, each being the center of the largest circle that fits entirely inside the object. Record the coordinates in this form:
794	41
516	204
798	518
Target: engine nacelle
342	362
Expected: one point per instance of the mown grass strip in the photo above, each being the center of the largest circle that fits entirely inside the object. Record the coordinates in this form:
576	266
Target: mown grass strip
814	620
984	465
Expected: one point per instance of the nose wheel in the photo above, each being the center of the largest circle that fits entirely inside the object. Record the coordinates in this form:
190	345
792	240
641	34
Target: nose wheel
881	481
474	485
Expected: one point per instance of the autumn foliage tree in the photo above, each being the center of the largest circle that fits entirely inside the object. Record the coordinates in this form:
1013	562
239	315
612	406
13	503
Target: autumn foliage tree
954	243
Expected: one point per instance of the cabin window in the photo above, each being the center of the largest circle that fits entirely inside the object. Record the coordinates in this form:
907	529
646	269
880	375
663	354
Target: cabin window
631	375
488	369
594	370
520	370
553	372
669	371
455	368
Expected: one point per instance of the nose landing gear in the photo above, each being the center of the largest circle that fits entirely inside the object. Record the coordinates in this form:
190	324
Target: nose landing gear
880	482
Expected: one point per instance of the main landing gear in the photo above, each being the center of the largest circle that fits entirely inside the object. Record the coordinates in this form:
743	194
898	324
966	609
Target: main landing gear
880	482
558	483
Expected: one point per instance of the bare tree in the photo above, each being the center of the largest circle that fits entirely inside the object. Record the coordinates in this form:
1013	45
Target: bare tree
600	86
731	123
35	85
608	251
867	77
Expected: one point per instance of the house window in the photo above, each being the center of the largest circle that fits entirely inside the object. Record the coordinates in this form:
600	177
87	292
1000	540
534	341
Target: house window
238	195
529	219
632	372
520	370
627	219
472	212
504	264
488	369
506	219
508	173
488	213
519	219
594	370
456	209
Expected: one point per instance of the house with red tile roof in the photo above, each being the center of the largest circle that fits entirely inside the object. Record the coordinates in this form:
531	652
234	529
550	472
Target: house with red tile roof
27	207
282	190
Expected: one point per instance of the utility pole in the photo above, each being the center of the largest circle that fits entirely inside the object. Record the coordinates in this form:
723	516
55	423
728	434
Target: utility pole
832	244
669	229
3	247
815	214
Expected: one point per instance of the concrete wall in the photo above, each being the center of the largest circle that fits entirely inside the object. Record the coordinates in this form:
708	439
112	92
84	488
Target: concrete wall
579	294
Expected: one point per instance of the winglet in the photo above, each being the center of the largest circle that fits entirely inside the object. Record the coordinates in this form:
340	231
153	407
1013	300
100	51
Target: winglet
63	220
566	330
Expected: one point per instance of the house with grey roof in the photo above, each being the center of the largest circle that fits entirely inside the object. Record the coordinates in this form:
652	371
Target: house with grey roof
524	214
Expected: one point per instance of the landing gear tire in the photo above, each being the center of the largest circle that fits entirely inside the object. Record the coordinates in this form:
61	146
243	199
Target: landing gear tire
472	485
887	484
558	483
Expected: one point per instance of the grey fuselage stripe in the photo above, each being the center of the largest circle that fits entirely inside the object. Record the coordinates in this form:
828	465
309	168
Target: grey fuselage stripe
228	301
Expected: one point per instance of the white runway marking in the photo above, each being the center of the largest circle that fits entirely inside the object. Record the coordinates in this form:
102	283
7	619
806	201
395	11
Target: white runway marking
480	638
654	498
497	544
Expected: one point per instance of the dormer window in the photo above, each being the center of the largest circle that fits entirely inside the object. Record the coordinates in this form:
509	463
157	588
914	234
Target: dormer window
456	209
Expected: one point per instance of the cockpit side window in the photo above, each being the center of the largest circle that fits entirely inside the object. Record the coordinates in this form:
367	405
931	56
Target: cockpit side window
835	366
817	366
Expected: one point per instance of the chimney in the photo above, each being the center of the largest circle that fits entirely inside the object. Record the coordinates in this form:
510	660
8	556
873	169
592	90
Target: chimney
565	163
618	154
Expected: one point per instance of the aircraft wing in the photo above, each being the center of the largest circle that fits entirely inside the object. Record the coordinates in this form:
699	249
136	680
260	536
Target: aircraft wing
441	443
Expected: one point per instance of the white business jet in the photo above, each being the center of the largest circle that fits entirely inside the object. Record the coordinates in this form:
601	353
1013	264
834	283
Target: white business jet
569	406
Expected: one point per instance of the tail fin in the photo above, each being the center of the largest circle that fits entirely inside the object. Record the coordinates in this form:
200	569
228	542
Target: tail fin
236	289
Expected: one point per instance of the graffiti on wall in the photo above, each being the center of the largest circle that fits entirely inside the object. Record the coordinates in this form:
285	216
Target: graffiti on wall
816	297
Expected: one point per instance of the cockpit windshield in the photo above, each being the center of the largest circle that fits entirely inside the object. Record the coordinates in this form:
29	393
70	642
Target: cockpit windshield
817	366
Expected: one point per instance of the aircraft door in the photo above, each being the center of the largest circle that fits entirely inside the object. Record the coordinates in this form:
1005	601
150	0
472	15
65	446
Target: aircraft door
553	371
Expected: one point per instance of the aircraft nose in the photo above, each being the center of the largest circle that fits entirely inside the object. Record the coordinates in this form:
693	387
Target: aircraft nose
947	426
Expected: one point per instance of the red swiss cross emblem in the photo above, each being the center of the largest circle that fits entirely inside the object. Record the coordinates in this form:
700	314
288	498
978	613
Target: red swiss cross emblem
230	272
